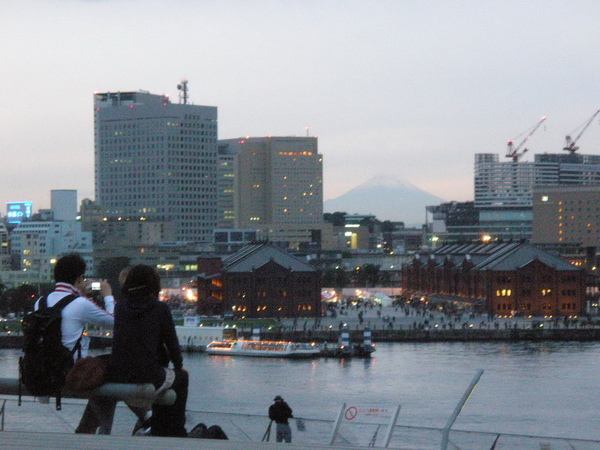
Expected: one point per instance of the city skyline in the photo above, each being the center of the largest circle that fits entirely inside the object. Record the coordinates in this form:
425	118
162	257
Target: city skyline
390	88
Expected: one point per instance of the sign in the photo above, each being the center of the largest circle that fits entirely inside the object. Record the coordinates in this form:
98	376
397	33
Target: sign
16	212
367	414
191	321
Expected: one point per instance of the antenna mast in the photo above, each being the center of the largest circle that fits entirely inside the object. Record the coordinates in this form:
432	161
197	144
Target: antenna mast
183	91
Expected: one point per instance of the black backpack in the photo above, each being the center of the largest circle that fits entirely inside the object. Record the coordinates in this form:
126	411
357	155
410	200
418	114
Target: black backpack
46	361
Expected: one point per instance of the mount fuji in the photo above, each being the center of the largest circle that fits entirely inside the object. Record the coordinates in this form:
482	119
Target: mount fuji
387	198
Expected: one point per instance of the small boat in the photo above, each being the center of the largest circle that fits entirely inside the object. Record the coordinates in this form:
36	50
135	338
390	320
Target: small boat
347	349
272	349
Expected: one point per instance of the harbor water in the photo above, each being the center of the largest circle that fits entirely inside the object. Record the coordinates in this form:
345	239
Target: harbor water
530	388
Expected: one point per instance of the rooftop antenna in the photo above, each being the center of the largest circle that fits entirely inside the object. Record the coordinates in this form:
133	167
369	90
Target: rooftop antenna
183	91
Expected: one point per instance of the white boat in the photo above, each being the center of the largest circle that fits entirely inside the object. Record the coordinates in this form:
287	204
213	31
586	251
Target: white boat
272	349
196	338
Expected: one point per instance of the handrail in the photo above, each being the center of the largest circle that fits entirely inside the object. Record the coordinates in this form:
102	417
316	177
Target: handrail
130	392
458	409
2	412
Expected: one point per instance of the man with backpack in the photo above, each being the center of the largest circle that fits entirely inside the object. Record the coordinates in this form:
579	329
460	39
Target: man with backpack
79	310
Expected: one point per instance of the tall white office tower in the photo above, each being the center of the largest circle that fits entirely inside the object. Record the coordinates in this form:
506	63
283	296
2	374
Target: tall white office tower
63	203
156	160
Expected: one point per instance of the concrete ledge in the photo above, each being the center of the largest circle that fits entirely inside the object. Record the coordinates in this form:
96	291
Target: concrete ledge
121	391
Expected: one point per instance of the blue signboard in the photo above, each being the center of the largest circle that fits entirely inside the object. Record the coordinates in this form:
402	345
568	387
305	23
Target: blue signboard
16	212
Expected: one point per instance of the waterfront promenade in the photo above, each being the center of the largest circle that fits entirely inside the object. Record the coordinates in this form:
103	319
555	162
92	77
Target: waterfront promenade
397	324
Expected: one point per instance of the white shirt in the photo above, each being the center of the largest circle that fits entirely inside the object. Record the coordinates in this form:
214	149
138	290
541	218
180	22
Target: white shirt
78	313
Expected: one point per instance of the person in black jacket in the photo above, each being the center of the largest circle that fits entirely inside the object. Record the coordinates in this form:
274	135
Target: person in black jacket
280	412
144	343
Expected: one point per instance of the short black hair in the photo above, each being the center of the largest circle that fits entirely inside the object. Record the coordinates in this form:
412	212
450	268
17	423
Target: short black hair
142	281
69	268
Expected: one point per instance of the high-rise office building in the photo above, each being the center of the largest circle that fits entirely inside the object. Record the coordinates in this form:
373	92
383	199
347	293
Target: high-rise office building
226	184
278	186
510	183
156	160
279	180
504	190
63	203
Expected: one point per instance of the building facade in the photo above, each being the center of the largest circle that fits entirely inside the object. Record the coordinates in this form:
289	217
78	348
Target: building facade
278	186
37	245
63	203
567	215
226	173
507	278
503	191
155	160
260	280
510	184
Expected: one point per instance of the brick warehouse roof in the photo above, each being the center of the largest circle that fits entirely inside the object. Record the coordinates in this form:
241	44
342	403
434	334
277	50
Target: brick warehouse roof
503	256
253	256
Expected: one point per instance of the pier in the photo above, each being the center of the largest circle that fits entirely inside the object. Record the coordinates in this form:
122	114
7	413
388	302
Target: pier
439	335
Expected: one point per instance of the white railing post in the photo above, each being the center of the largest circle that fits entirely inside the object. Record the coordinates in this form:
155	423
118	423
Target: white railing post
459	407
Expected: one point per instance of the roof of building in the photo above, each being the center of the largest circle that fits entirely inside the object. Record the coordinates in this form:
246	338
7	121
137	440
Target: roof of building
522	256
253	256
498	256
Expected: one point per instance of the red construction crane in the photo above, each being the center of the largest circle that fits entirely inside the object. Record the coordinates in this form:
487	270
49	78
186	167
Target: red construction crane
570	143
514	152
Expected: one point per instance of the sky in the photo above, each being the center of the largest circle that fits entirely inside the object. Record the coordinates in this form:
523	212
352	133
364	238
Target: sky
409	89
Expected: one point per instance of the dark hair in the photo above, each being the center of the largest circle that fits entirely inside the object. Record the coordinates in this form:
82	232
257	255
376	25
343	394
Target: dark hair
69	268
142	281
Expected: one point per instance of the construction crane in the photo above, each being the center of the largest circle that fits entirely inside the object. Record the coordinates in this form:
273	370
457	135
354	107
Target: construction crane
570	143
515	152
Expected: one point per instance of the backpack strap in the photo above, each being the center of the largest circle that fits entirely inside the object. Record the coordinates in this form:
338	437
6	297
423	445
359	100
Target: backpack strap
43	302
62	302
60	305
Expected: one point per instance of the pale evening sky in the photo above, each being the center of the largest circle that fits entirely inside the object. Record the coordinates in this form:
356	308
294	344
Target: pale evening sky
411	89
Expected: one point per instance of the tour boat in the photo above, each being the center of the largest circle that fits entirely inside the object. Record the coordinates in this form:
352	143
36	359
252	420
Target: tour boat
273	349
196	338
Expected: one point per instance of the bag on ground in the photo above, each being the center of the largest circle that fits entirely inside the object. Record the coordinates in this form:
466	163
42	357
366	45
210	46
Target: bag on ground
200	431
46	361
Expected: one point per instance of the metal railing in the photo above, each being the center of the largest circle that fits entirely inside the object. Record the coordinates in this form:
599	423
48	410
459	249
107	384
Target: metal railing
2	412
33	416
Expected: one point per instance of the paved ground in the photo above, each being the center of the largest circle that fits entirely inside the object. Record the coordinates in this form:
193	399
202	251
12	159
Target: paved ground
406	318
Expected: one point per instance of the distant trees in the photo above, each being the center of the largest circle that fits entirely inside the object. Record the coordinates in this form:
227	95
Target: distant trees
368	275
336	278
388	226
18	300
338	219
